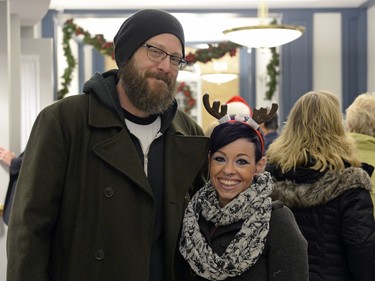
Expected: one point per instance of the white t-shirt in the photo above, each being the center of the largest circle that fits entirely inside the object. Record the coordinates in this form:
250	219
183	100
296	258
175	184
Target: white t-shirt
145	134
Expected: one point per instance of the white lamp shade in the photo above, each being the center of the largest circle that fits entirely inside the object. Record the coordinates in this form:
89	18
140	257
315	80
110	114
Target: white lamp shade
264	36
219	78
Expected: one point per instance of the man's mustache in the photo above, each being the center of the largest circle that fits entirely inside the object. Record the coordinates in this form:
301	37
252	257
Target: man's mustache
160	76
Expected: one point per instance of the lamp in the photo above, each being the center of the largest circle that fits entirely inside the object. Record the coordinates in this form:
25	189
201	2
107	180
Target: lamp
264	35
220	73
219	78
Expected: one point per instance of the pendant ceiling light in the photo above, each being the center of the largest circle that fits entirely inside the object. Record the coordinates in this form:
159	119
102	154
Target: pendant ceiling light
219	73
264	35
219	78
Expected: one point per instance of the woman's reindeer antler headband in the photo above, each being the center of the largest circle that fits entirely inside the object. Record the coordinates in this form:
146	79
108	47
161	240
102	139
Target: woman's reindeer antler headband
258	116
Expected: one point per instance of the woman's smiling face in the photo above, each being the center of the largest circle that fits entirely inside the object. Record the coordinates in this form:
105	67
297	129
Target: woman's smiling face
232	169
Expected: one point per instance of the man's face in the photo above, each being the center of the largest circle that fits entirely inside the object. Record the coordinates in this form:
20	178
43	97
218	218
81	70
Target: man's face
150	85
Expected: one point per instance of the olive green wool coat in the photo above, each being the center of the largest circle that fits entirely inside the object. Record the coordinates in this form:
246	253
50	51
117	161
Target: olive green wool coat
84	209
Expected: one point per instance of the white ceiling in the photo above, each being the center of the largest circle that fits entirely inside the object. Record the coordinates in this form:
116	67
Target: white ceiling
32	11
198	27
200	4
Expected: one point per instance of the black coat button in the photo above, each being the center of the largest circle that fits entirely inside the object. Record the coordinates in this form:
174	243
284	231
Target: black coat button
99	254
108	192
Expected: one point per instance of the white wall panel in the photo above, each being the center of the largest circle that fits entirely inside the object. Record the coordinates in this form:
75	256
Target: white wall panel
36	81
327	54
5	101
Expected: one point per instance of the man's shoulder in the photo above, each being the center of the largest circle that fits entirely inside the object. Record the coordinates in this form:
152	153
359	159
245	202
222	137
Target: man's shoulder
186	124
69	101
67	108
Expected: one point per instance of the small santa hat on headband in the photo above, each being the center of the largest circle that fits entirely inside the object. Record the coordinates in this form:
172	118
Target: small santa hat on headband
238	106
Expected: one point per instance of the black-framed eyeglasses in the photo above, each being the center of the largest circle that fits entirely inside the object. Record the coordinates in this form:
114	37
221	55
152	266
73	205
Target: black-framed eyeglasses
158	55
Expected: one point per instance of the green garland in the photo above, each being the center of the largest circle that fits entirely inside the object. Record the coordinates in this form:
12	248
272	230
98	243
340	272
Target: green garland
273	72
214	51
97	41
189	101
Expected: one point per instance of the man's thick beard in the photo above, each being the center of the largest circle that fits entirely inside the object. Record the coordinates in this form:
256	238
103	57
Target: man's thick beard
154	100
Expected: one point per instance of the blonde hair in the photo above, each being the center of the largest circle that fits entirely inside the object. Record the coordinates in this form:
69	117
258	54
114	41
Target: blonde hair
360	115
314	131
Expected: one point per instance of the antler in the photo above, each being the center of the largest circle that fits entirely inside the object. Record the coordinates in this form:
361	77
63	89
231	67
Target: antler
260	116
214	110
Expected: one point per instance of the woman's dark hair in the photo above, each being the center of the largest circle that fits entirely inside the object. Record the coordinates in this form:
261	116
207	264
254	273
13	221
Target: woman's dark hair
228	132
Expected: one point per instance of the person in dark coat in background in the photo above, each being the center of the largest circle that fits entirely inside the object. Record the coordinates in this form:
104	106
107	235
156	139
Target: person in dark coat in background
270	130
9	159
318	175
106	175
232	230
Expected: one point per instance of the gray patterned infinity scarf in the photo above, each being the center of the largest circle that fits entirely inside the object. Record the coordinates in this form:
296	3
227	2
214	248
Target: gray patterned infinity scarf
254	206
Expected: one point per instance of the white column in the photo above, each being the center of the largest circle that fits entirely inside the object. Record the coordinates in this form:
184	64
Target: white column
36	81
5	91
327	63
4	72
15	77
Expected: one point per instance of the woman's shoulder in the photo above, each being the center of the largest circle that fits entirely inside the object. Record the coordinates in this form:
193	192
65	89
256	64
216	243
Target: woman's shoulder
284	229
277	204
282	217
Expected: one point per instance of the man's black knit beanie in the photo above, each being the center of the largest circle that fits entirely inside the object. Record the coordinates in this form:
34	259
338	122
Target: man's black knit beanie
142	26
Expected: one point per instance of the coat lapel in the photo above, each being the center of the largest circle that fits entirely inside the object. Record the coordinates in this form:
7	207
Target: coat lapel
118	149
119	152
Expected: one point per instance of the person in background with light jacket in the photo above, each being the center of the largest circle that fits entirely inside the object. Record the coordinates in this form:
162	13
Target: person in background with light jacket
360	122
